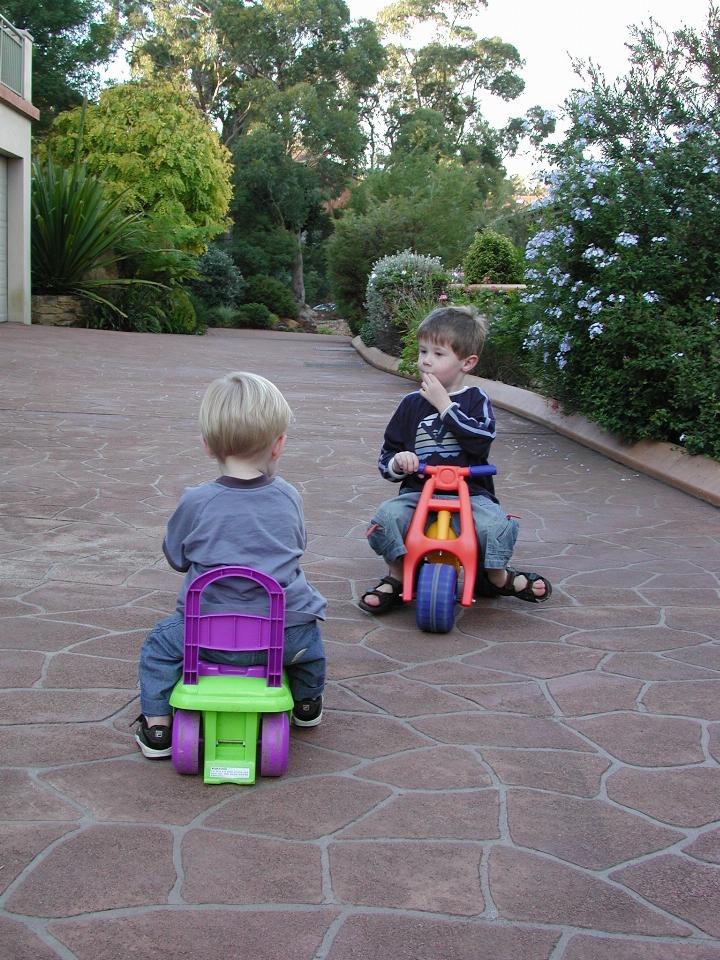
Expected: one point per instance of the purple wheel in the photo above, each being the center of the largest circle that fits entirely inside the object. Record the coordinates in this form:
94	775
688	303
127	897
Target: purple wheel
274	746
186	741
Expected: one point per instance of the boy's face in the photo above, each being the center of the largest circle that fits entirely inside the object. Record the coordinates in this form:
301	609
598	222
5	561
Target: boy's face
441	360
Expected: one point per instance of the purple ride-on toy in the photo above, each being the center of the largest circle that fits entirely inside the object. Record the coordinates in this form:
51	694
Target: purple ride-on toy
232	721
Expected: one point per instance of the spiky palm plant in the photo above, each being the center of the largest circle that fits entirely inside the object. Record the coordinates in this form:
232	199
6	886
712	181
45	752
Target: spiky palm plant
76	230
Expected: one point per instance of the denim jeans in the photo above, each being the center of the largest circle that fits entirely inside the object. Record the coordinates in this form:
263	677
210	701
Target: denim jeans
496	533
162	655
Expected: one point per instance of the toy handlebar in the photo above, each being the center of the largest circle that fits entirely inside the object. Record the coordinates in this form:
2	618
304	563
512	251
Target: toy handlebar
484	470
479	470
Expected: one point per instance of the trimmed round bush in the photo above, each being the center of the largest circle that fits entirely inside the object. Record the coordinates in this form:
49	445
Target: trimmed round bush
493	258
254	315
396	285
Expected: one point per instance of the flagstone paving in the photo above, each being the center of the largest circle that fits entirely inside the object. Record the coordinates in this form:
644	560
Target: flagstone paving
542	783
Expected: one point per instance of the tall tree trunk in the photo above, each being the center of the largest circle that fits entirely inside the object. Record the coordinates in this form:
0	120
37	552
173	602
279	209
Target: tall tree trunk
298	275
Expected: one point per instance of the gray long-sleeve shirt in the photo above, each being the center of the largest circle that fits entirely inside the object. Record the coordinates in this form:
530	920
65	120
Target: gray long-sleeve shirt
252	523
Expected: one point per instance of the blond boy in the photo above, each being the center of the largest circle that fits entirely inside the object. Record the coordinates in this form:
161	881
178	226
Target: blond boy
250	517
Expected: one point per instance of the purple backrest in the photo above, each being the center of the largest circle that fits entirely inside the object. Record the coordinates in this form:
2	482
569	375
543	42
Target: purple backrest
234	631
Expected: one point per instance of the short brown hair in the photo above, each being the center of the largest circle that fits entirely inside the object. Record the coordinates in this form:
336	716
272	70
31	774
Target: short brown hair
242	414
461	328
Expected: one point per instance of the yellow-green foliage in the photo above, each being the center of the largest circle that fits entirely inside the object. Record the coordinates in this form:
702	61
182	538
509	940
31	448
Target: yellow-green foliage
156	148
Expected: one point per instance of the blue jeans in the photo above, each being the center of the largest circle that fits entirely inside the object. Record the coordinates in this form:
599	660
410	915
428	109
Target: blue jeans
496	533
161	660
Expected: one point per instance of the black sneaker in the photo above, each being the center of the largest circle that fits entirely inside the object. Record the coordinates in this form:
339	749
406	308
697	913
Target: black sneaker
155	742
307	713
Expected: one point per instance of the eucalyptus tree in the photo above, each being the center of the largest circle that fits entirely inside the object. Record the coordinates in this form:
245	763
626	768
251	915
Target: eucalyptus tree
437	62
290	77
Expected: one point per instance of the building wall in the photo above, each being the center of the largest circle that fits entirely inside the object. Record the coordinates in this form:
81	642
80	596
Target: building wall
3	239
16	115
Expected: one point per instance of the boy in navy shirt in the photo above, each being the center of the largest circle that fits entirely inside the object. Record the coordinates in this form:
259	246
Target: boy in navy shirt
445	422
250	517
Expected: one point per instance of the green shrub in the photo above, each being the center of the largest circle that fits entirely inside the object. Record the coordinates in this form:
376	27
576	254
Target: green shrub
219	280
503	357
159	155
273	293
148	310
623	296
147	258
264	249
201	308
426	197
254	315
179	312
492	258
222	316
396	285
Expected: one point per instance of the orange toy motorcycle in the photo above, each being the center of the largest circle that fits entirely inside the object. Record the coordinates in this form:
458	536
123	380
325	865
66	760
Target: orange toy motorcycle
440	552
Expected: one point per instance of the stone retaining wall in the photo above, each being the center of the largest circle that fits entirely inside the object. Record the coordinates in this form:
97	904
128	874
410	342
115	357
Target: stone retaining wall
57	311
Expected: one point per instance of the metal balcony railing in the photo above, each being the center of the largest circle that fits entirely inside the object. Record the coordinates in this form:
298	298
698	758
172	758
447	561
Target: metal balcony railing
11	57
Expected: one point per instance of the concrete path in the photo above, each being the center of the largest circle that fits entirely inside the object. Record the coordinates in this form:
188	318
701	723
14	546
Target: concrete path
543	783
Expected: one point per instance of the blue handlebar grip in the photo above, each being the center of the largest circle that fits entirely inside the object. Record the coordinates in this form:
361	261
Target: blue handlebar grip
421	468
486	470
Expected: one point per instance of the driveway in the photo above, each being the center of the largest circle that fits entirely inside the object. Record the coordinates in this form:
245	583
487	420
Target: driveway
542	783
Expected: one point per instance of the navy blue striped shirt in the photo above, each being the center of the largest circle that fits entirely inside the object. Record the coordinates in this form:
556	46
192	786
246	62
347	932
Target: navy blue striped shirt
461	436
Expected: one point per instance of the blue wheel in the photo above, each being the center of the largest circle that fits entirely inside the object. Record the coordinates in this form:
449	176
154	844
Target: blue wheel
436	596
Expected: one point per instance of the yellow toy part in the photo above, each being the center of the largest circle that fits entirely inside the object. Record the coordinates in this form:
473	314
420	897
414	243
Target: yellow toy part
440	529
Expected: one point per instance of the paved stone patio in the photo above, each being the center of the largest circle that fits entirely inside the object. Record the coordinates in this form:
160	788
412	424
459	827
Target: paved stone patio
543	783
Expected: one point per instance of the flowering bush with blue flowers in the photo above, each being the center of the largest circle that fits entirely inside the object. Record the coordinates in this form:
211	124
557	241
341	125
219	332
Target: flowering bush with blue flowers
623	271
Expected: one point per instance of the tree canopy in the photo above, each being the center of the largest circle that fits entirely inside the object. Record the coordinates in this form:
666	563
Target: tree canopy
448	75
159	153
286	82
71	39
297	89
302	63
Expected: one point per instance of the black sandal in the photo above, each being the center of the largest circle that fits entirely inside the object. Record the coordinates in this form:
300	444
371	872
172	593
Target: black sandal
527	592
387	599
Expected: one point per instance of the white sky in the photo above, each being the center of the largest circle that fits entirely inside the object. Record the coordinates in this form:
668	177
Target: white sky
548	32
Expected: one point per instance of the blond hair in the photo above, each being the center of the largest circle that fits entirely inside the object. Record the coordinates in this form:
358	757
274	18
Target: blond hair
242	414
462	329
